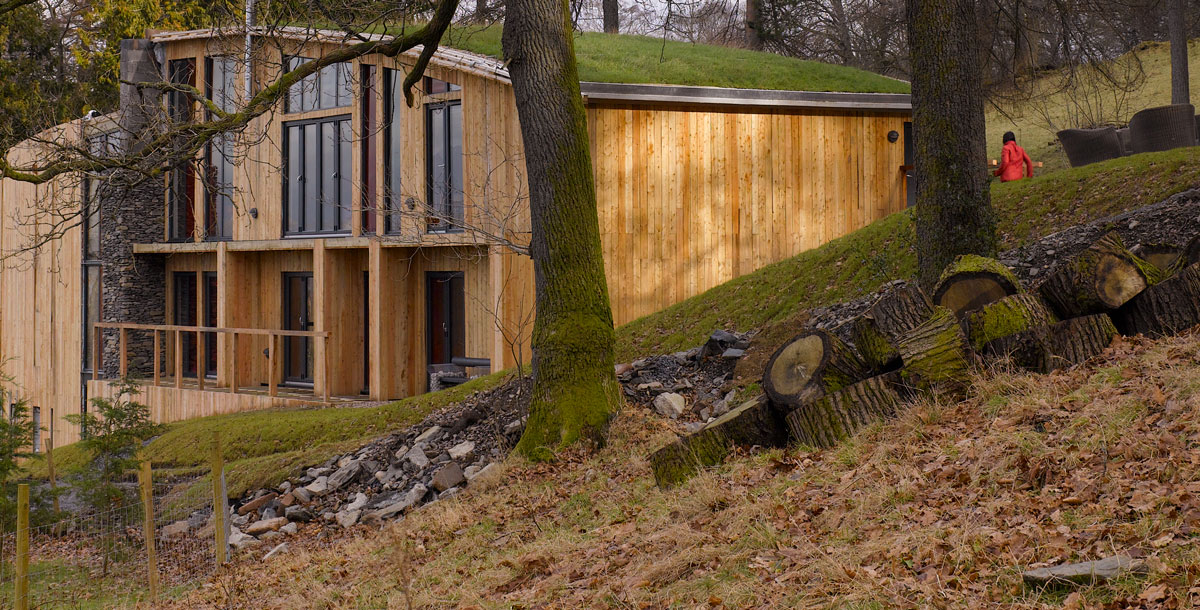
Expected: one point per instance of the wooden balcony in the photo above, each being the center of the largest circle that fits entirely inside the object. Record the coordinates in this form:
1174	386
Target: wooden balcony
227	358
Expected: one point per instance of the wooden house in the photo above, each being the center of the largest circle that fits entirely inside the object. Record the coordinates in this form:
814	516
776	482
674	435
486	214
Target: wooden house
345	245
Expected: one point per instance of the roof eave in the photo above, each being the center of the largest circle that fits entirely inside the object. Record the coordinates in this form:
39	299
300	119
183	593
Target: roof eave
721	96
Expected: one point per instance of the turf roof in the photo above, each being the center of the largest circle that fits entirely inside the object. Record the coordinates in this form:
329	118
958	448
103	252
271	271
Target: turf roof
621	58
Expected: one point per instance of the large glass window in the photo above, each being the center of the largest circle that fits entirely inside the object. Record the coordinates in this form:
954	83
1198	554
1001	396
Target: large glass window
181	179
444	160
370	187
101	145
221	88
443	156
317	175
393	111
329	87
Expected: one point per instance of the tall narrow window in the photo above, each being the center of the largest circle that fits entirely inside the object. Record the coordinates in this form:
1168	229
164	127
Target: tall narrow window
185	314
329	87
368	106
103	144
37	429
181	178
221	87
393	110
444	157
210	320
317	175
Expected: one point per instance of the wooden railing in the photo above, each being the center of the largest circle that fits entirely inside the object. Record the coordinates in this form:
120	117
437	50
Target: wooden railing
161	330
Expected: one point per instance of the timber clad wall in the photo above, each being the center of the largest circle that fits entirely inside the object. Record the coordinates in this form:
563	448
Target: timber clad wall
689	196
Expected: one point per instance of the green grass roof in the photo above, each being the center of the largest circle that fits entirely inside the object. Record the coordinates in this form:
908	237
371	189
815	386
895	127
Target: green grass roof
620	58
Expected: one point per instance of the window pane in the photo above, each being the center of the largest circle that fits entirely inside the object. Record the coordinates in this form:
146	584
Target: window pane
345	92
393	142
312	180
456	163
329	87
229	84
226	211
329	176
370	159
344	172
437	160
91	310
295	98
93	219
295	179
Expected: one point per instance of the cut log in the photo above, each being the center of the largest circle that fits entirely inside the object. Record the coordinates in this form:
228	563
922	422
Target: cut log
898	310
935	354
1167	258
1165	308
1192	251
971	282
1005	317
825	421
1055	346
753	423
1101	278
812	364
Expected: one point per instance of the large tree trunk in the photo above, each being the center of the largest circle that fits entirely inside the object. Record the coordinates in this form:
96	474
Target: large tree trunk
827	420
754	24
1055	346
954	209
879	329
575	391
753	423
1165	308
1177	31
612	16
1101	278
812	364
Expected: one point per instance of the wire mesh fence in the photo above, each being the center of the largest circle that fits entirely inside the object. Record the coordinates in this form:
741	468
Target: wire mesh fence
91	557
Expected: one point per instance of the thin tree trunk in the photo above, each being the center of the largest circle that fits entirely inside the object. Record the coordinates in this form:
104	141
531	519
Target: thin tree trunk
1177	30
612	17
954	210
575	391
481	11
754	24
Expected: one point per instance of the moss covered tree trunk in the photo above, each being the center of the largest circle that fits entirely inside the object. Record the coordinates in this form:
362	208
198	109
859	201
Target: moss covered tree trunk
954	208
575	391
612	16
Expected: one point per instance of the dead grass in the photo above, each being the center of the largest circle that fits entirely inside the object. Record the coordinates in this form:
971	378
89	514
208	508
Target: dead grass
940	508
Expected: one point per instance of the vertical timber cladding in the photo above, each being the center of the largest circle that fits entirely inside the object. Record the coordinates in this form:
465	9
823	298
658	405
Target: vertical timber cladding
40	318
691	197
131	213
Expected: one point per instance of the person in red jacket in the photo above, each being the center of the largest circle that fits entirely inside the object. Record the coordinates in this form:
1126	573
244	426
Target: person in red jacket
1011	160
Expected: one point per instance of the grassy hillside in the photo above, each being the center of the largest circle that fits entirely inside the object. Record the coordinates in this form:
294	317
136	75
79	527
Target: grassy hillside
856	264
264	447
642	59
1035	123
942	507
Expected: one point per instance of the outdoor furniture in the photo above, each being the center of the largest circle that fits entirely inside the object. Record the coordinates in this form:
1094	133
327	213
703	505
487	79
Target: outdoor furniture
1087	146
1126	143
1163	128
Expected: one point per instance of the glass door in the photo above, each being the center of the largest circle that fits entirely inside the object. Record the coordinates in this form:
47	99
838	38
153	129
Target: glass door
185	312
297	315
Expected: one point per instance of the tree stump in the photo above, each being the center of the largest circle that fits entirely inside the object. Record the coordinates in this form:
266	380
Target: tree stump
1005	317
753	423
935	354
824	421
876	332
971	282
1165	308
1101	278
1167	258
1055	346
811	364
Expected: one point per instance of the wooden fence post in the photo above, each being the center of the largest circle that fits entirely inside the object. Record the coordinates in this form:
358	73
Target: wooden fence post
21	586
146	483
220	504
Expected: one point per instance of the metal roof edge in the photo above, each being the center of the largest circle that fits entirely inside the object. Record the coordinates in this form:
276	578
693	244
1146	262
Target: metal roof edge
688	94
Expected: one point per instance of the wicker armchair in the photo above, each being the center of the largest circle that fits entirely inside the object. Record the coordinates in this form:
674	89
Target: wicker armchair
1126	143
1163	128
1087	146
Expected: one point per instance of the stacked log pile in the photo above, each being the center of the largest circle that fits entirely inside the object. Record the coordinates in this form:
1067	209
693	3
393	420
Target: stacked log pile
821	389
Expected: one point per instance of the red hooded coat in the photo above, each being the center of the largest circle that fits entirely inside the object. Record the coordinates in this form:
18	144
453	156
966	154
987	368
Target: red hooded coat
1010	163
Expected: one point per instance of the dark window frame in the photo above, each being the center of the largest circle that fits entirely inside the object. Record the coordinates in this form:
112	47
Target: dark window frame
218	180
368	107
343	208
314	85
444	209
